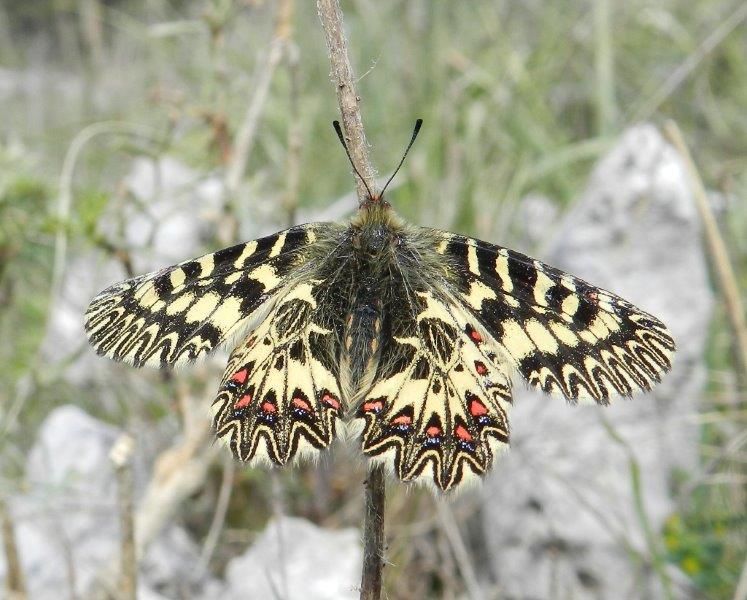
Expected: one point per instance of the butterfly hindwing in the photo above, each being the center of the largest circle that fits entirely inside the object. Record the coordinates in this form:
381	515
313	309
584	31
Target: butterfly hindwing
561	333
181	313
439	407
280	396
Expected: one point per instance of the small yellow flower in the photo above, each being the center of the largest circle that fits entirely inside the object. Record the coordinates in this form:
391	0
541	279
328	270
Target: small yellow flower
690	565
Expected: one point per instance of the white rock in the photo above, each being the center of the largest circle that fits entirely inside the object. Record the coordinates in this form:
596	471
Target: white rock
310	563
67	524
181	203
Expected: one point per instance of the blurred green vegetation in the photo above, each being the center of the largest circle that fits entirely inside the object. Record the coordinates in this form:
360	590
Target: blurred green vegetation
517	98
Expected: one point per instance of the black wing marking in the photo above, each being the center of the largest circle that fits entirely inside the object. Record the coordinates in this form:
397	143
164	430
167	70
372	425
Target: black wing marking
438	411
562	334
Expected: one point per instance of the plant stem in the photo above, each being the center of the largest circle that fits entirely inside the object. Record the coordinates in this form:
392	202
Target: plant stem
604	67
344	80
247	133
15	583
121	457
373	534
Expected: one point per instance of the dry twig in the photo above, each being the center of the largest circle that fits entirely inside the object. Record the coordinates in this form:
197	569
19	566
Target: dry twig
725	276
373	534
344	80
677	76
15	584
278	510
458	549
741	592
248	130
219	515
121	457
178	473
293	161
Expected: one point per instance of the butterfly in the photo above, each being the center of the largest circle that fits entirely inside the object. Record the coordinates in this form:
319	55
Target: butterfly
407	335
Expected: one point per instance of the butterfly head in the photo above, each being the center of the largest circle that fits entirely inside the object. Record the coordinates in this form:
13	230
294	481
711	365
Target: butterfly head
376	199
376	230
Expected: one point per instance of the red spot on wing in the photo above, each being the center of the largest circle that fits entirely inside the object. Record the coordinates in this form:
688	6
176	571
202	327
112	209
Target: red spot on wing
243	402
373	406
474	334
302	404
433	431
239	376
480	368
402	420
477	408
269	407
330	400
462	433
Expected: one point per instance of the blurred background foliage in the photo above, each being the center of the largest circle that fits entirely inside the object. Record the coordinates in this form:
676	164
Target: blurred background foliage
518	98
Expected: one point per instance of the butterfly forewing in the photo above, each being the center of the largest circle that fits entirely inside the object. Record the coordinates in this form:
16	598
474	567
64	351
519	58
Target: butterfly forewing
280	396
562	334
183	312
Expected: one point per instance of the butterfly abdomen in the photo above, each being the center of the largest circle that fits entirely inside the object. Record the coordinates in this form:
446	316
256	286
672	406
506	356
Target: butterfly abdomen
363	324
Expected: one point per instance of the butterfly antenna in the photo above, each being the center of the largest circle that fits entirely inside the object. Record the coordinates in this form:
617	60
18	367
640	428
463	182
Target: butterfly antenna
338	129
418	125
